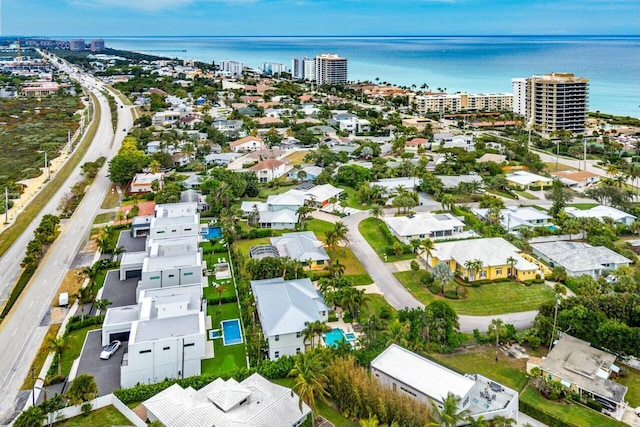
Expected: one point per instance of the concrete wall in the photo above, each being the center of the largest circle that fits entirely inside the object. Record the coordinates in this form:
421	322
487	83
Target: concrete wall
98	403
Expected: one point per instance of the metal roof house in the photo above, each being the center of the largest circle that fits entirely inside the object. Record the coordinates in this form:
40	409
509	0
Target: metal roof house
254	402
579	258
423	225
302	246
429	382
284	306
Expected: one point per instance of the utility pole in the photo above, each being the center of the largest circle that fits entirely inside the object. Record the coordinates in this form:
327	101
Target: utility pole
585	154
46	165
6	205
555	316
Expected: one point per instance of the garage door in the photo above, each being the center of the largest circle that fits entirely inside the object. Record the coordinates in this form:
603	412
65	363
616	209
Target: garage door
120	336
133	274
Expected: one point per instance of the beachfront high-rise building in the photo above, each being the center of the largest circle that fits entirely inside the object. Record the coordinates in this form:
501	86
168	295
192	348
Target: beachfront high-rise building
303	68
557	102
97	45
519	96
272	68
77	45
455	103
330	69
231	68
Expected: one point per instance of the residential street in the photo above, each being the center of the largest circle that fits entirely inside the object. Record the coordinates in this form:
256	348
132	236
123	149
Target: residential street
23	330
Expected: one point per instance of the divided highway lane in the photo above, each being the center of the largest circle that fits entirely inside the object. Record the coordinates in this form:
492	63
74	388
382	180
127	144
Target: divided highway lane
22	333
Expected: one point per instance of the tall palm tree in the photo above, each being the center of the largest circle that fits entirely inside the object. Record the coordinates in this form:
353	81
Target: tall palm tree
303	212
501	421
84	296
91	273
474	267
376	211
396	332
511	261
336	269
447	201
477	422
310	379
308	333
101	304
220	289
58	345
426	247
450	415
497	328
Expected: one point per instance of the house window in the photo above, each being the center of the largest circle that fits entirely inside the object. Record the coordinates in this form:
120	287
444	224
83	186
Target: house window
187	229
154	277
395	387
160	232
322	313
172	275
166	348
276	338
144	351
191	344
498	271
320	262
189	273
276	354
483	274
173	231
297	350
297	334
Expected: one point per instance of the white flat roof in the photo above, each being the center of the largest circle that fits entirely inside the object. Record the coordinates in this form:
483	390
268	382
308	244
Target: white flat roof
419	373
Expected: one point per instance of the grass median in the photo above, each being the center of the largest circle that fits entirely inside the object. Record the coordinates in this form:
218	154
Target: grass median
31	210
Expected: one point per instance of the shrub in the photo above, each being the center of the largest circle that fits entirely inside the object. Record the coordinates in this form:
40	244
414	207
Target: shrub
258	233
596	406
451	294
76	322
317	275
385	312
528	282
435	289
426	278
347	317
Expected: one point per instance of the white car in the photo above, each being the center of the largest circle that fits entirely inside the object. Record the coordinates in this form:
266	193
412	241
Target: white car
110	349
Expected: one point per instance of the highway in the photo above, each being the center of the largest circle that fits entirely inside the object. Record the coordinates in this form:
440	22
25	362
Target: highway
22	331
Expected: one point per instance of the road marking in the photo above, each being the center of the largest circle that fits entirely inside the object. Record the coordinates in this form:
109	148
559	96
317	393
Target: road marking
31	304
14	333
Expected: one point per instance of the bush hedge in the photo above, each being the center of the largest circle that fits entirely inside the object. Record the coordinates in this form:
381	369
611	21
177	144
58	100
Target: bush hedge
76	322
225	299
539	414
317	275
451	294
435	289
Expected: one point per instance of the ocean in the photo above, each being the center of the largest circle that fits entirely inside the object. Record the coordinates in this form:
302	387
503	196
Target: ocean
459	64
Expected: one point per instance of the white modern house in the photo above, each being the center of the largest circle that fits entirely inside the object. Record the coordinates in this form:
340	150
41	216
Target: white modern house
142	182
391	185
579	258
408	373
284	306
426	225
248	143
269	169
466	142
166	335
524	180
254	402
514	218
600	212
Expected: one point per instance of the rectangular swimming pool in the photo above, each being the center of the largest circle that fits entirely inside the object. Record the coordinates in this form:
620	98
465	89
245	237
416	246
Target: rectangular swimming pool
333	337
231	333
210	233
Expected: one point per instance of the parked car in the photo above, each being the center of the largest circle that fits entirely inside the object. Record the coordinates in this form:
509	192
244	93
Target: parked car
110	349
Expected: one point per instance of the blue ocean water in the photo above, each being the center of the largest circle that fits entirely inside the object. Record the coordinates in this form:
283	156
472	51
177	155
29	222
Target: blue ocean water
459	64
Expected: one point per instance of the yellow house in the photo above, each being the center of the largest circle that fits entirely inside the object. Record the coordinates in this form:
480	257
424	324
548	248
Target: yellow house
301	246
523	180
483	259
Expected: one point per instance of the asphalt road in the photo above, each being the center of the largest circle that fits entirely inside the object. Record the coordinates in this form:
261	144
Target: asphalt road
23	330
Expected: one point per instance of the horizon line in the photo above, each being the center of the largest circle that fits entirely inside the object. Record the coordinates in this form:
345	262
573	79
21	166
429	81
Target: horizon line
332	35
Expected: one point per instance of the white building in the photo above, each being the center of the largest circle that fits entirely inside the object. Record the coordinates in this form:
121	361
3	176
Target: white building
254	402
246	144
519	96
284	306
515	218
466	142
579	258
143	182
524	180
426	225
429	382
330	69
231	68
391	185
270	169
166	335
162	118
601	212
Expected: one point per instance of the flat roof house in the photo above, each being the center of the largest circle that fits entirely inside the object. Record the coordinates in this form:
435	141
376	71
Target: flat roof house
602	212
585	370
579	258
423	225
142	182
166	335
429	382
494	253
254	402
515	218
284	306
524	180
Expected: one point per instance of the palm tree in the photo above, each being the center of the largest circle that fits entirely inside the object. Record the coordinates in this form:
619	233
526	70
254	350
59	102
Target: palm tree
84	296
397	333
474	267
303	212
447	201
497	328
426	247
450	415
91	273
30	418
58	345
83	389
376	211
512	262
220	289
501	421
372	421
101	304
477	422
371	326
340	233
308	333
310	379
336	269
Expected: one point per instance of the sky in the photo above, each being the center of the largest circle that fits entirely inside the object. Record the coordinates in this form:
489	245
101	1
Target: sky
317	17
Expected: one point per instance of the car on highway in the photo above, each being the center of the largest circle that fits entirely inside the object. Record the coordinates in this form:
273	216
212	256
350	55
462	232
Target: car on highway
110	349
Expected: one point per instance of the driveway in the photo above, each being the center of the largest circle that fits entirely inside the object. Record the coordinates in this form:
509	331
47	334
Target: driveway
395	293
106	372
119	292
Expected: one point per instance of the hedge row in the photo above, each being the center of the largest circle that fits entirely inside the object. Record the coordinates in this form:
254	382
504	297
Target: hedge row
76	322
225	299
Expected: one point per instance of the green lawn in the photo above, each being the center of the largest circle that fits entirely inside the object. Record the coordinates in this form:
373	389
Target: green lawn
375	302
103	417
631	379
525	195
572	415
104	217
318	226
327	411
497	298
266	192
372	229
226	358
583	206
351	263
482	360
360	279
351	200
246	244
